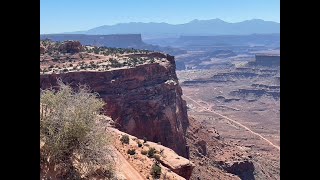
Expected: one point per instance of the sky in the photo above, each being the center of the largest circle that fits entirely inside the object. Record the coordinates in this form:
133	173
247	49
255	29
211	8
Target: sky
57	16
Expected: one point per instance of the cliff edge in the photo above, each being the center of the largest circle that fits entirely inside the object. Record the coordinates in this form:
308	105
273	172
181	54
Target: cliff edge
144	101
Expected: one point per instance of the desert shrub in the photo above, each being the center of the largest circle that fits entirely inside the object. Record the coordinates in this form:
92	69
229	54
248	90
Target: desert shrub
139	144
155	171
144	152
151	152
94	66
96	50
115	63
65	70
70	130
131	151
125	139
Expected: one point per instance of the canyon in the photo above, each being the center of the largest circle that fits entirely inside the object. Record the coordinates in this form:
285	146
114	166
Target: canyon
144	99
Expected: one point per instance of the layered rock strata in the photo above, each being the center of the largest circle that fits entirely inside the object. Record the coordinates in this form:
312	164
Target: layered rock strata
144	101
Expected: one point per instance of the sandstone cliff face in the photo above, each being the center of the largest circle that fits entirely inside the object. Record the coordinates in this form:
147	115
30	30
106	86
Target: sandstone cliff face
144	101
267	60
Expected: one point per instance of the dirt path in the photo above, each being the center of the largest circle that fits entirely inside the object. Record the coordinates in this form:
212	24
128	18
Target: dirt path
241	125
126	168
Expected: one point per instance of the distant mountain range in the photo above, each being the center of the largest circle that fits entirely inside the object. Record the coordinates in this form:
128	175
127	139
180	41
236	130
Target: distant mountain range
195	27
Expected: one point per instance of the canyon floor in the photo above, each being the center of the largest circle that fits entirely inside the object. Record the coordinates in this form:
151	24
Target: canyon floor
243	105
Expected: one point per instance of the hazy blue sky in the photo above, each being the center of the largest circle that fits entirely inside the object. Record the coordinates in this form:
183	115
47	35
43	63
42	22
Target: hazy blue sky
74	15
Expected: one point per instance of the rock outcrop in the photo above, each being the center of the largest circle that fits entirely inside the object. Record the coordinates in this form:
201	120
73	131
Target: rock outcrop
270	60
144	101
244	169
202	147
171	162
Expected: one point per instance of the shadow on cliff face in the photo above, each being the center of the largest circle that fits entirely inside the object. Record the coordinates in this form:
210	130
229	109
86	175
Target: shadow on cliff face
243	169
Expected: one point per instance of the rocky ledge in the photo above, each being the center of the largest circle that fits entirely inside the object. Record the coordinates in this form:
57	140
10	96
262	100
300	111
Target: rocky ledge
173	165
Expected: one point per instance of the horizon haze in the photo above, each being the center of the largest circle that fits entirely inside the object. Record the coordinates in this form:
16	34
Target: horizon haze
195	27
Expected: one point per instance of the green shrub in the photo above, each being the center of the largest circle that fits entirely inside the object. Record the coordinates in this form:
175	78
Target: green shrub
115	63
151	152
155	171
131	151
69	128
125	139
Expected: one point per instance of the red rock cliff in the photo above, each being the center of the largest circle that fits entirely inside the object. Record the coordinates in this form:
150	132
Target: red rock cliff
144	101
